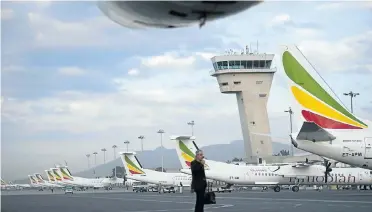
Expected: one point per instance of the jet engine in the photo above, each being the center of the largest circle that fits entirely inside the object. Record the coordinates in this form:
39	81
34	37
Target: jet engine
170	14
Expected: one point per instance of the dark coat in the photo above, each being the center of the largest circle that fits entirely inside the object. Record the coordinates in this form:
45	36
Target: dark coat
199	181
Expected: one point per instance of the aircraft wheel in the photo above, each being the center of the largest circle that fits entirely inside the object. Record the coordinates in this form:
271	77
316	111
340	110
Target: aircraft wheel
277	188
295	188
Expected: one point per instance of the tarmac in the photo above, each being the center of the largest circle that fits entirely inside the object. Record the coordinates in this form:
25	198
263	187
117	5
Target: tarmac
127	201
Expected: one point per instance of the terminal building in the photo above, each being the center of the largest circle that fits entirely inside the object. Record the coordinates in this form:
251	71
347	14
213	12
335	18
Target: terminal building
249	76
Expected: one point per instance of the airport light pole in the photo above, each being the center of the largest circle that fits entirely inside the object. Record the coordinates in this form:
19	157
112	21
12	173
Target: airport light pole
88	155
114	147
290	126
352	95
141	137
104	155
126	143
95	162
191	123
161	144
95	158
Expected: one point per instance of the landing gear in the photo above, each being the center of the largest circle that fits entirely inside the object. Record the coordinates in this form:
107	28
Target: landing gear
295	188
277	188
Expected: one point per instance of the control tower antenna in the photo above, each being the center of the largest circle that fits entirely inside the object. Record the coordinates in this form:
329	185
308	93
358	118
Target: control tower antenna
248	76
257	46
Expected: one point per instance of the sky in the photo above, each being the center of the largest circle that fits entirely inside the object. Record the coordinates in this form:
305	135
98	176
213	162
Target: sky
74	82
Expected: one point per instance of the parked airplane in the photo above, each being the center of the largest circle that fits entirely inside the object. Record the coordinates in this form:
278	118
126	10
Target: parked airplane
58	177
170	14
135	171
10	185
83	182
35	183
273	176
42	182
327	128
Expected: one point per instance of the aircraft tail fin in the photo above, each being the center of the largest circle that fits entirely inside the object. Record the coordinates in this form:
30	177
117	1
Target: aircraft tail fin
314	100
186	148
39	178
49	176
3	182
66	175
131	163
57	174
33	180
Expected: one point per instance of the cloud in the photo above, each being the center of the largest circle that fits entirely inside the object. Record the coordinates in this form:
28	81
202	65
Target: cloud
11	68
133	72
6	14
280	20
168	60
71	71
344	5
341	54
50	32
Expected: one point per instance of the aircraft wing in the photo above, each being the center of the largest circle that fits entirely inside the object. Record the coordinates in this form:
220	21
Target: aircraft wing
300	170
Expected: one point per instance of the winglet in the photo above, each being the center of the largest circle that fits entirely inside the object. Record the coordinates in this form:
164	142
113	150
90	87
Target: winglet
312	132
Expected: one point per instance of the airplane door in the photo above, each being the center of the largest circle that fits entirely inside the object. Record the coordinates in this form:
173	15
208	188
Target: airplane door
368	148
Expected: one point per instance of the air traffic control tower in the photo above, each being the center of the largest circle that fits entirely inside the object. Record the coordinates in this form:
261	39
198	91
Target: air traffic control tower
249	76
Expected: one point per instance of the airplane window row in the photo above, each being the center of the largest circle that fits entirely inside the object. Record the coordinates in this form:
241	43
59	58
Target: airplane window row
265	174
242	64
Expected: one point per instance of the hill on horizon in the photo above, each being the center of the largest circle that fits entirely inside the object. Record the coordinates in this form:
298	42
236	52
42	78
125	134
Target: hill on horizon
151	159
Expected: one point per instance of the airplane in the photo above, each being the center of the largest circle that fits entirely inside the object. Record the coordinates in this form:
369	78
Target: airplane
35	183
170	14
57	175
268	175
10	185
328	129
83	182
135	171
41	181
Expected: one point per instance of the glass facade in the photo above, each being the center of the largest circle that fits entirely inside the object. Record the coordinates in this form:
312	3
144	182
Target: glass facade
237	64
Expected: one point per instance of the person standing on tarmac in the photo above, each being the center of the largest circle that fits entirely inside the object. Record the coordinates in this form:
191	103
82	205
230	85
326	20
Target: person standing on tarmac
199	181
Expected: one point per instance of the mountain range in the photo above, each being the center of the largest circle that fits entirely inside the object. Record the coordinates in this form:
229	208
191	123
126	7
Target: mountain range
151	159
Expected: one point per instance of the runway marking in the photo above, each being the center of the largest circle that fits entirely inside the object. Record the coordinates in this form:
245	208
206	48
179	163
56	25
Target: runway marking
273	199
302	200
149	200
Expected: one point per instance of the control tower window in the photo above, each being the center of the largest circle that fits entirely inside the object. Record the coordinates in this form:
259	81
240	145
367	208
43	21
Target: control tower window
219	65
224	83
249	64
225	65
231	64
243	64
268	63
262	64
256	64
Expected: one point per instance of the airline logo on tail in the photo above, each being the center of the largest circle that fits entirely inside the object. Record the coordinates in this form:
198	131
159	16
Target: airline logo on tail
33	180
51	177
3	182
186	153
65	174
317	105
58	177
133	168
38	178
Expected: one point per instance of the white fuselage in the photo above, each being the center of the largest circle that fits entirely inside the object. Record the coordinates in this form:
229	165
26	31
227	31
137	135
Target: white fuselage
88	182
352	147
271	175
162	178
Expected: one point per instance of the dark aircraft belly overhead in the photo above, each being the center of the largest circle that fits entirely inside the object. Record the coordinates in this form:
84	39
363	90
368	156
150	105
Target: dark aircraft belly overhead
170	14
